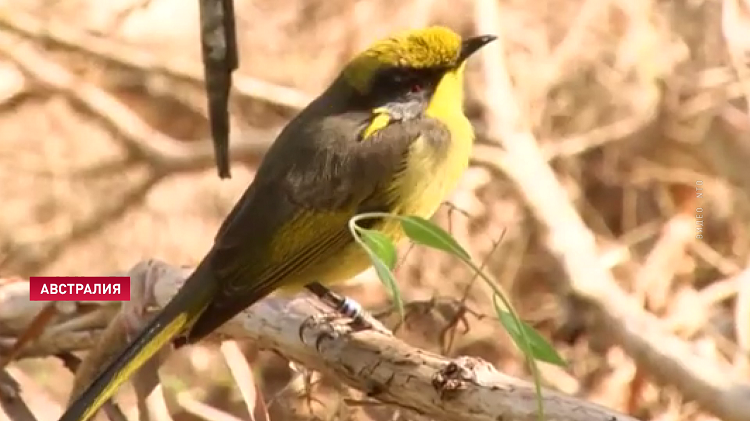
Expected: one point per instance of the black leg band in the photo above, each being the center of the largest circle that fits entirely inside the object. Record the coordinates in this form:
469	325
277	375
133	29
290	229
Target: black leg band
344	305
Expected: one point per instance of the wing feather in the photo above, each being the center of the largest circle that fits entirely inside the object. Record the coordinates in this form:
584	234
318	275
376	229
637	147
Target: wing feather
295	213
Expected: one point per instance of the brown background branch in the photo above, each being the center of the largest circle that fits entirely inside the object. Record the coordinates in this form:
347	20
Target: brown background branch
629	103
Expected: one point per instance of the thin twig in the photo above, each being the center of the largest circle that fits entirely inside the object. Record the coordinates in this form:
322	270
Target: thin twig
34	330
245	380
163	153
201	410
12	405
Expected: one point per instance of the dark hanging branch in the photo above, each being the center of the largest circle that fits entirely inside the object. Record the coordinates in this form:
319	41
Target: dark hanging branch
220	59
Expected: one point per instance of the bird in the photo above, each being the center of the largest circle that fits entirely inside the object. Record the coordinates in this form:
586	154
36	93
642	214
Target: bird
389	134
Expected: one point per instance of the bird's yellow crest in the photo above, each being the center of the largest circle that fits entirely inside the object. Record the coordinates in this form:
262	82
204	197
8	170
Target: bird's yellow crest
435	46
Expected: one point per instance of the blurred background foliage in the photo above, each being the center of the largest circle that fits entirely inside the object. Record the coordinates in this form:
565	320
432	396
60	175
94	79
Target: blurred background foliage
105	160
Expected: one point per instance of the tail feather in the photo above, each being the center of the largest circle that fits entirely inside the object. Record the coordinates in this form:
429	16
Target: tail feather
222	309
176	316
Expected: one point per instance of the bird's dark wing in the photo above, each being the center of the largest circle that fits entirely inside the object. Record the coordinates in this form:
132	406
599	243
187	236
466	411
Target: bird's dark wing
296	211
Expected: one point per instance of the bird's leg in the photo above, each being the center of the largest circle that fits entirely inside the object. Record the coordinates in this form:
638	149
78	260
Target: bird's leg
342	304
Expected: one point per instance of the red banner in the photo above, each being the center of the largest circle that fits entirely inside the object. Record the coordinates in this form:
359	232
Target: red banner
79	288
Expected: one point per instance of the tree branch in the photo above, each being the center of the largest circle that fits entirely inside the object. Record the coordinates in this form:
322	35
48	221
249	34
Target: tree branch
181	68
372	361
164	153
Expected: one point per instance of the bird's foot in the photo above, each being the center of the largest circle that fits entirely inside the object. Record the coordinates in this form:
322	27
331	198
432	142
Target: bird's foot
329	326
347	307
324	327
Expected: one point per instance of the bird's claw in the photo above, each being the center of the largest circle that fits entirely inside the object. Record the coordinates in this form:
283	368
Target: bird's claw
323	324
331	325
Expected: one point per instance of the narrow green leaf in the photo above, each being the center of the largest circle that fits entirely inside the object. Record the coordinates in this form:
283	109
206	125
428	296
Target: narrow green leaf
387	278
424	232
380	245
540	349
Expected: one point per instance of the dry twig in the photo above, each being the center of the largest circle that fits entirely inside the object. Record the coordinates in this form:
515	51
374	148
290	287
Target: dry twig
245	380
666	358
165	154
35	329
13	408
179	68
27	401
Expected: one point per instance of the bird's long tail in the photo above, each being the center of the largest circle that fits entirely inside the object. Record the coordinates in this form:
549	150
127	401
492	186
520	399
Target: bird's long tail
176	316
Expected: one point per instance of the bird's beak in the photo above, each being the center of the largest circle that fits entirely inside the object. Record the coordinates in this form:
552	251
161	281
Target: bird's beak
471	45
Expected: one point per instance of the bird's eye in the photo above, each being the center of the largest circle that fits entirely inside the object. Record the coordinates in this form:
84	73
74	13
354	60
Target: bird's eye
399	78
416	88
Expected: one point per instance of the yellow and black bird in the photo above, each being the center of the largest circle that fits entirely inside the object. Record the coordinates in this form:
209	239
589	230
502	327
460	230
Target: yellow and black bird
388	135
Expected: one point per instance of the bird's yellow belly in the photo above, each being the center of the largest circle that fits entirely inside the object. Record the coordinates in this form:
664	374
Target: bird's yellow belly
418	191
353	260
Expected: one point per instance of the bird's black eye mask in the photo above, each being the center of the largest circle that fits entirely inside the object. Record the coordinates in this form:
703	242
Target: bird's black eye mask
404	91
398	94
405	83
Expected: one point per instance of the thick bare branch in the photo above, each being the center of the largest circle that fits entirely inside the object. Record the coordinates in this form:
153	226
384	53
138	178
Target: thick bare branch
372	361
